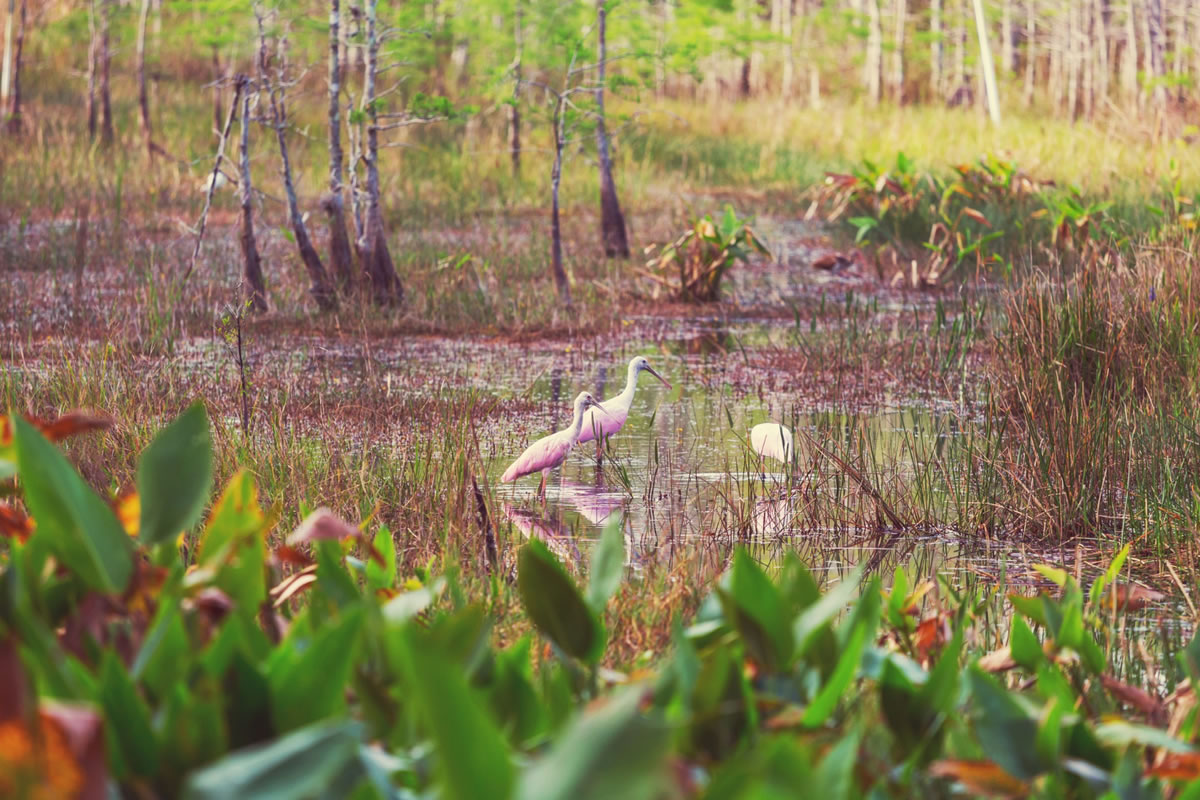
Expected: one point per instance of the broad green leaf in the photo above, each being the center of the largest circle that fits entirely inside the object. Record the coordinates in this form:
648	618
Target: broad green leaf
126	721
608	567
382	576
613	751
302	764
1004	726
833	779
472	757
824	610
308	683
555	606
826	701
941	690
232	550
1023	644
80	529
1110	575
755	607
174	477
1119	733
192	728
513	697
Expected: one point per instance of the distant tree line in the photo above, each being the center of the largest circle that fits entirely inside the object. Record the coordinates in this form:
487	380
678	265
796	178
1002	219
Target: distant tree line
391	65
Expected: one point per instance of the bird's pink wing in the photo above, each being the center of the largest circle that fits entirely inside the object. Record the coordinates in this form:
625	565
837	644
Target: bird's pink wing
545	453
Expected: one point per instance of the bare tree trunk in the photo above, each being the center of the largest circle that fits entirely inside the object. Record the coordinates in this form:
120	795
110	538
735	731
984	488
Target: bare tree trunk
374	255
873	70
254	291
93	59
960	47
223	134
514	109
14	89
1071	55
937	47
322	288
1008	53
106	122
901	20
1030	49
1156	35
143	99
1104	56
556	254
335	204
218	74
789	51
1178	69
1129	57
989	68
6	70
612	221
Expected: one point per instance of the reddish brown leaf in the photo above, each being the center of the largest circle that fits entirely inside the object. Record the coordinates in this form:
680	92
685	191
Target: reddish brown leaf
831	261
1137	698
984	778
322	524
1177	767
977	216
1132	597
290	555
931	634
72	423
15	523
14	689
82	731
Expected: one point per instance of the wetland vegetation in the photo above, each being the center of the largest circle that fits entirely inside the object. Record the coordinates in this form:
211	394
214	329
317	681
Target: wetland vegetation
253	539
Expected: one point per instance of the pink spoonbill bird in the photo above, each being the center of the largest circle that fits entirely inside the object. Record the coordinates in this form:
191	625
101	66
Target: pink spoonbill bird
615	409
548	452
772	440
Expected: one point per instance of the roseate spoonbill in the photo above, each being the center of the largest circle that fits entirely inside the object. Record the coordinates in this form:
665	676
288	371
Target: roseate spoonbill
548	452
616	409
772	440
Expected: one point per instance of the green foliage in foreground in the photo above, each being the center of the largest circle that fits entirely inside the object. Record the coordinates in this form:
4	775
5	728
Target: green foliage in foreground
182	671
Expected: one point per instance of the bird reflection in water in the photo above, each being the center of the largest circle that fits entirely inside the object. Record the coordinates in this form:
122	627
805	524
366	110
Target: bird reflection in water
548	527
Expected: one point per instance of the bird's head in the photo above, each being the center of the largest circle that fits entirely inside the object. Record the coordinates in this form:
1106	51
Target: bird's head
585	401
640	364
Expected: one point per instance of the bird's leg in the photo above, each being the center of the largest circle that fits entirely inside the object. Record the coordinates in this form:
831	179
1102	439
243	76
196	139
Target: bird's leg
599	450
542	487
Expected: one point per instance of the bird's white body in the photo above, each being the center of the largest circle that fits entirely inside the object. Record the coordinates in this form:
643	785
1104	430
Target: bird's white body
772	440
615	410
550	451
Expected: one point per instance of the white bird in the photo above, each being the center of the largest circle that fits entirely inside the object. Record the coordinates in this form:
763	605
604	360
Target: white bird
616	409
548	452
772	440
219	182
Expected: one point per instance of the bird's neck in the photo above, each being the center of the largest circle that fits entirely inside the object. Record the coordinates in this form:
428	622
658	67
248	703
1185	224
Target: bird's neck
630	384
577	423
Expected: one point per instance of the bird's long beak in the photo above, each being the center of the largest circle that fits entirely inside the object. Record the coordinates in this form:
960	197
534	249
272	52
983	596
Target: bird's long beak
654	372
600	408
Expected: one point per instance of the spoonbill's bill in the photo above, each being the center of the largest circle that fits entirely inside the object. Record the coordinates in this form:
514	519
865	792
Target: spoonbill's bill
616	409
548	452
772	440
